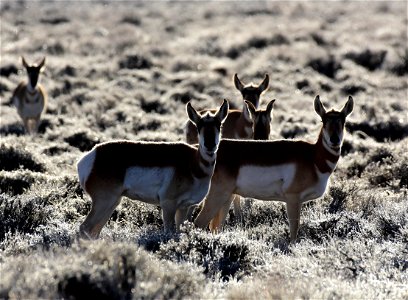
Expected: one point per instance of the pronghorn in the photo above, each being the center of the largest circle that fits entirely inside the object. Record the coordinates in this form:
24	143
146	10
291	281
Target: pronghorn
239	123
172	175
290	171
247	123
251	92
30	97
260	129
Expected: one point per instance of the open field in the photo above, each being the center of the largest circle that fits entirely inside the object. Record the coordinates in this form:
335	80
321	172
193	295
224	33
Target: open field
124	70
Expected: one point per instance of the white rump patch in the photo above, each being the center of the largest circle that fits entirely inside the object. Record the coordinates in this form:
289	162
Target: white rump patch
84	167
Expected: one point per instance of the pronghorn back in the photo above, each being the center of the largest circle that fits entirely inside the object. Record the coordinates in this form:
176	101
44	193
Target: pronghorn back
110	160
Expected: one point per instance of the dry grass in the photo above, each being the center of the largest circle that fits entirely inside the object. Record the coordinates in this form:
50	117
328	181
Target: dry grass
125	70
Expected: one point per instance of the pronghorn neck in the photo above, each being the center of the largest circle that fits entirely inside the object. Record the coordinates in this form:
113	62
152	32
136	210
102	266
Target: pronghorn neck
30	88
32	94
326	157
206	163
244	126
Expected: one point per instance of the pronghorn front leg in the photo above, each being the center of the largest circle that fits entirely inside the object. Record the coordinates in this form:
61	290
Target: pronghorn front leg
169	213
293	206
181	216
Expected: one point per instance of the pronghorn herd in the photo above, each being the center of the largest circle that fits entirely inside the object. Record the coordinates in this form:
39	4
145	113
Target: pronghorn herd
227	155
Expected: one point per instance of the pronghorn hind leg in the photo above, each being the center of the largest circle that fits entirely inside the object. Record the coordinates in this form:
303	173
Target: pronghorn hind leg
37	122
219	220
218	196
293	207
103	205
26	122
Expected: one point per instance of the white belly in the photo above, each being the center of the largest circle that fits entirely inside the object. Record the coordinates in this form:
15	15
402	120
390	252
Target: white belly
195	193
318	189
147	184
265	183
29	109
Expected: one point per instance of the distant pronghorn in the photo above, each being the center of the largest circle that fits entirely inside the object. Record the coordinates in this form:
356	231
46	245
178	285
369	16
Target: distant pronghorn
239	123
172	175
251	92
290	171
30	97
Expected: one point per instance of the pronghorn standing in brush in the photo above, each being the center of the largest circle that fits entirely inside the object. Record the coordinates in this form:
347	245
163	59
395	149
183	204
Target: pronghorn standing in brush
239	123
248	123
285	170
30	97
172	175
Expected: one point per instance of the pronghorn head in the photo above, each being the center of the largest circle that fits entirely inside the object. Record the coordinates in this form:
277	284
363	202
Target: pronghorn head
208	127
262	120
251	92
333	122
33	71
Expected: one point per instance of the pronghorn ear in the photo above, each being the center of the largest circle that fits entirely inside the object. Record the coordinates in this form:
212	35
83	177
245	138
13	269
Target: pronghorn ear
222	113
24	62
238	83
348	107
264	84
41	64
269	107
319	108
192	114
249	110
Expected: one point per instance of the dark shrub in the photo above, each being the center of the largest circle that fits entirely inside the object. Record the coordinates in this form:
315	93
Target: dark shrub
134	20
389	228
356	169
369	59
343	226
183	97
402	174
23	216
217	254
135	62
8	70
339	198
14	128
153	106
380	155
327	66
56	49
15	185
54	20
293	131
14	159
381	131
68	70
302	84
352	89
82	140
